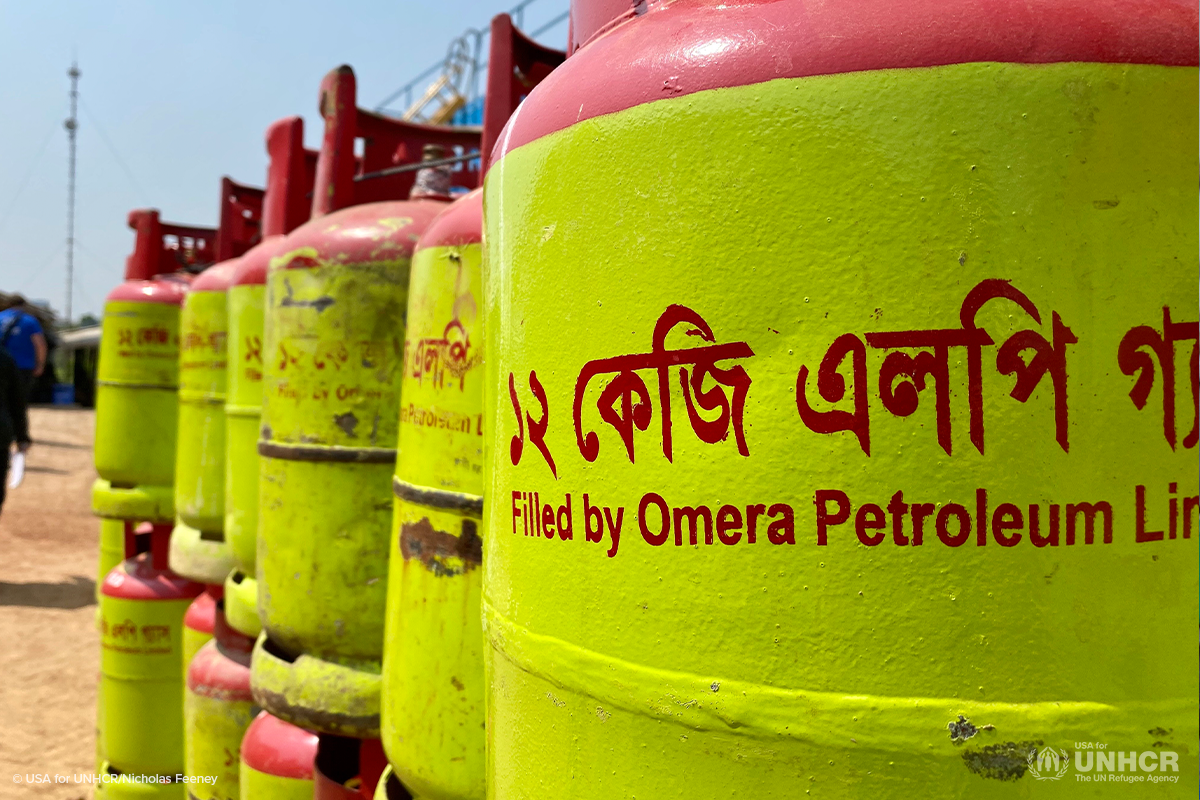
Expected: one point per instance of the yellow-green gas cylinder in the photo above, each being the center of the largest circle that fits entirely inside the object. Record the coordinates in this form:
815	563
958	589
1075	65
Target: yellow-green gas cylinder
118	539
286	205
138	372
112	553
198	548
137	377
218	708
142	606
433	656
334	330
827	349
136	405
276	760
243	408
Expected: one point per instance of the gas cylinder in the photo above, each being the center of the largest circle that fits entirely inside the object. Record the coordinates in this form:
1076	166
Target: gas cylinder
135	398
138	373
117	538
433	653
286	205
137	378
142	606
217	711
276	760
334	325
198	548
242	411
777	224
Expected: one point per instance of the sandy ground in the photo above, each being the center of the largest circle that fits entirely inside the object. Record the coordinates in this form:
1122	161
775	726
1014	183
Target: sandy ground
49	650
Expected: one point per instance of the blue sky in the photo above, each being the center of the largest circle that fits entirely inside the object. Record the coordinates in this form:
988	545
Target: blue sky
184	93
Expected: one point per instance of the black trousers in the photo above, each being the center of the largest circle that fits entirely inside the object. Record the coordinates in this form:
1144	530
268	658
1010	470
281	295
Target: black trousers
26	378
7	454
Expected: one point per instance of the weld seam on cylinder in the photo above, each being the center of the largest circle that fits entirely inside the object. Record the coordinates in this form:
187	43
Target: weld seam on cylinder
124	385
821	718
471	504
343	455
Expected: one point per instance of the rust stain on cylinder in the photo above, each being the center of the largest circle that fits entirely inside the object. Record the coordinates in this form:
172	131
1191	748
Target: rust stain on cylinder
433	548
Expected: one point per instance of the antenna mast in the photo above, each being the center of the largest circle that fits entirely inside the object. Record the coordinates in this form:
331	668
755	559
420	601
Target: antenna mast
71	125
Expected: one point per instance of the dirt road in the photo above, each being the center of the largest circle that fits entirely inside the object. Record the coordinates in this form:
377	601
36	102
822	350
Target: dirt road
50	653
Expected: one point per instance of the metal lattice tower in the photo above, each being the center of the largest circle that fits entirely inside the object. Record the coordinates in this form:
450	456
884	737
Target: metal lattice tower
72	125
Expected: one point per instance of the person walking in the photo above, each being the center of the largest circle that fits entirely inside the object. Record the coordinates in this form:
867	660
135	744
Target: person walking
22	336
14	418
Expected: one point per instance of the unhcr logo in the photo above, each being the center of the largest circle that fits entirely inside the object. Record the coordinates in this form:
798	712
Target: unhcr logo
1048	764
1094	762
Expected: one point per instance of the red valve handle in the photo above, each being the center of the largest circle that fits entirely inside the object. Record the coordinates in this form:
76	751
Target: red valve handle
163	247
387	143
240	225
155	538
290	175
516	64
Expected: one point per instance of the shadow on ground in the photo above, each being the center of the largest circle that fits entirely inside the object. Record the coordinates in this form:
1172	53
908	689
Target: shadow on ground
68	445
78	592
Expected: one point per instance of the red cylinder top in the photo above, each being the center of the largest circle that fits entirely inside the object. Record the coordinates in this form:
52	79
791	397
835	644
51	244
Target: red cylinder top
200	613
363	234
459	223
214	674
137	579
169	293
216	278
184	279
252	267
275	747
679	48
